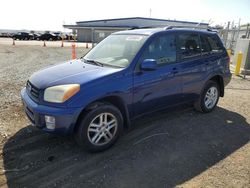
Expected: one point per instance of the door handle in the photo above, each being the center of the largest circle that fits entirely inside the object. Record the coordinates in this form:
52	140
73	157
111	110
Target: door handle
207	63
174	70
170	73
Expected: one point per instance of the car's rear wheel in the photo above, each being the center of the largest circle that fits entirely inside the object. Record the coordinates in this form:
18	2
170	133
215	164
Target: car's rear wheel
208	98
100	128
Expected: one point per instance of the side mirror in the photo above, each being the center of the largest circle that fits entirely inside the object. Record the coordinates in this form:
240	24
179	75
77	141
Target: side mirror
148	65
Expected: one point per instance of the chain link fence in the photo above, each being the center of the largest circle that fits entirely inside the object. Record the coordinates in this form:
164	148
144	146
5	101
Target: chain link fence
229	35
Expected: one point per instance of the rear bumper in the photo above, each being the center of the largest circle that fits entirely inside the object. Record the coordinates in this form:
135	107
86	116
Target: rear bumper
65	118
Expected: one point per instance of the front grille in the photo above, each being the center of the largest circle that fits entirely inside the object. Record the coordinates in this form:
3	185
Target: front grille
32	90
30	115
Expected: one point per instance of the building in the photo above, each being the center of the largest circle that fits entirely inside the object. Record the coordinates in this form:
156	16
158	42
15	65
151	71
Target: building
96	30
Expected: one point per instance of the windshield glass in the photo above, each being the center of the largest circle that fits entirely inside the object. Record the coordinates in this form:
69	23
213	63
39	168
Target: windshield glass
116	50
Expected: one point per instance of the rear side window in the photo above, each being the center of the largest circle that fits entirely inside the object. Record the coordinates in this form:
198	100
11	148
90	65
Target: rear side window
189	45
205	46
216	46
162	49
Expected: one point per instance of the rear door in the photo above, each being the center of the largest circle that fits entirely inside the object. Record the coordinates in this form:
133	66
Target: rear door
209	52
192	64
161	87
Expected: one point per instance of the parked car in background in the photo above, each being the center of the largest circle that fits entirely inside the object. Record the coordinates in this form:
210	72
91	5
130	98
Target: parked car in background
66	36
59	35
69	36
127	75
36	36
22	36
48	37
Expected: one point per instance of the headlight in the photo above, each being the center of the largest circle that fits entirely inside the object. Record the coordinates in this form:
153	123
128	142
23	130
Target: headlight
61	93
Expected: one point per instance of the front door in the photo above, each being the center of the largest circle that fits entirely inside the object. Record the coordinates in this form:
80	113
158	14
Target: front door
161	87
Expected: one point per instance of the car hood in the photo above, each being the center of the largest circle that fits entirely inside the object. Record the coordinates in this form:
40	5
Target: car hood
74	71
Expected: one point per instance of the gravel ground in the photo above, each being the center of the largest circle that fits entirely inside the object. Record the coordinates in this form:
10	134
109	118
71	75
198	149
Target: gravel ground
174	148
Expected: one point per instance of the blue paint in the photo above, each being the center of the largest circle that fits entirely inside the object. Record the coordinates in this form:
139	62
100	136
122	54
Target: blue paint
141	91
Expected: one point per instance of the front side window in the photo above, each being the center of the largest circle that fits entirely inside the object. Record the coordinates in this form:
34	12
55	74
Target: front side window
189	45
162	49
116	50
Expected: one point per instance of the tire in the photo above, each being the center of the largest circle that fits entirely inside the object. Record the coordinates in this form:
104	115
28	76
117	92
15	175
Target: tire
94	133
208	98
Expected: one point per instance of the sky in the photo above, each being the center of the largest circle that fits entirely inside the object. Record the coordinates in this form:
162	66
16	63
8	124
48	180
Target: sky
52	14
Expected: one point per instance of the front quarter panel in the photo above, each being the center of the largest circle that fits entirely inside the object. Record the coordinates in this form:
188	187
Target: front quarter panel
118	84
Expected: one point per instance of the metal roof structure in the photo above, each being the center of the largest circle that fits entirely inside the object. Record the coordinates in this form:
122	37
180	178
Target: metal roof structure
128	23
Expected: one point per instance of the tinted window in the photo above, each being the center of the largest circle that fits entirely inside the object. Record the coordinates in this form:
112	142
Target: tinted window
162	49
205	46
216	46
189	45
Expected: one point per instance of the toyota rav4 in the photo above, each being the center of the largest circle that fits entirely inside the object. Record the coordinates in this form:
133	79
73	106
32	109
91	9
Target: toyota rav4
129	74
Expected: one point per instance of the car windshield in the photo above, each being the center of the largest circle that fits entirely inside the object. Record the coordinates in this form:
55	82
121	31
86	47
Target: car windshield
116	50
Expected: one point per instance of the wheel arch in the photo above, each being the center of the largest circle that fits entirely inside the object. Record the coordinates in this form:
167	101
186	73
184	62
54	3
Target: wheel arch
114	100
219	80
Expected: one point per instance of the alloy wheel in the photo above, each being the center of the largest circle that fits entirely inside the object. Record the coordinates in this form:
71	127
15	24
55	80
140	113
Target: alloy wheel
211	97
102	129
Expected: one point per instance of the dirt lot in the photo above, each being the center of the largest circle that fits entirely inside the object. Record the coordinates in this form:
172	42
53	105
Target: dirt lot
175	148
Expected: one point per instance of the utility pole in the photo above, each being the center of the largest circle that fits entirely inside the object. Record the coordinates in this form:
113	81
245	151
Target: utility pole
247	31
150	12
226	34
238	32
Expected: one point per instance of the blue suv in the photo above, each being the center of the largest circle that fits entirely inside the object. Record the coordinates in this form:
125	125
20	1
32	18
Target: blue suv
127	75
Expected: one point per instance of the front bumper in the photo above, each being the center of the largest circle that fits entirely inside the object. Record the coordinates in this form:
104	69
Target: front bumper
65	118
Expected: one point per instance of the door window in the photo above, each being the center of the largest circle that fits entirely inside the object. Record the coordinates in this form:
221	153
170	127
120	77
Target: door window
189	46
215	44
205	46
162	49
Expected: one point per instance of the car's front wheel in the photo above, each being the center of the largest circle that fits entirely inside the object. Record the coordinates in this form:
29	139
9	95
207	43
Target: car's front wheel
99	128
208	98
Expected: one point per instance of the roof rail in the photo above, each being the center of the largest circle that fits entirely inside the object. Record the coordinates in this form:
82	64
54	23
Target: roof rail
186	26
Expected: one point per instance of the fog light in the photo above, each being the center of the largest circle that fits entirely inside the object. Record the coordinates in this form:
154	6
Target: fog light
50	122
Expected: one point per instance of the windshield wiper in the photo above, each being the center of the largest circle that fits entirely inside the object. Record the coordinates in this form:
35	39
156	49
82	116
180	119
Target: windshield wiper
94	62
